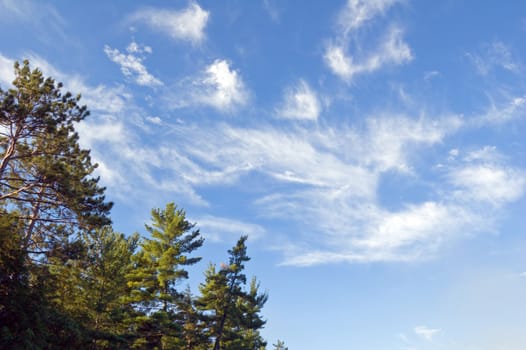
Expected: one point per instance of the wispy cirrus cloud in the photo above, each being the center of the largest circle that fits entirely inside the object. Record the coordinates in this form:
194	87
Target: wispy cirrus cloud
392	50
494	55
218	228
271	7
339	56
100	98
131	63
326	180
337	191
426	332
506	109
334	192
186	24
300	102
44	17
356	13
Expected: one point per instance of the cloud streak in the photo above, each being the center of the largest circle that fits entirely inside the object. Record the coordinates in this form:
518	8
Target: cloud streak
217	228
358	12
392	50
182	25
426	332
339	56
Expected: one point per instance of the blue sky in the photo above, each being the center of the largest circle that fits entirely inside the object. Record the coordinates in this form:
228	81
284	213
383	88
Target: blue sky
373	151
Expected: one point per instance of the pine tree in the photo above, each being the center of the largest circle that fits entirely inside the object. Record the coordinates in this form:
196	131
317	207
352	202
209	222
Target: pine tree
231	313
109	262
191	326
90	284
47	196
159	266
44	173
28	318
251	305
280	345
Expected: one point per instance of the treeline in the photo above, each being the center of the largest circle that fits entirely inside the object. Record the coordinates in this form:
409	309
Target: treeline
68	280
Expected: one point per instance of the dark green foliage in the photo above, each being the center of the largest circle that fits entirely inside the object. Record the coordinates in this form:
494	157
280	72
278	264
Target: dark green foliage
46	198
191	324
67	280
231	313
28	318
109	261
90	284
158	267
280	345
43	171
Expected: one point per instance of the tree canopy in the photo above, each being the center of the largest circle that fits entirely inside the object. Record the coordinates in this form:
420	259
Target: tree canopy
45	176
68	280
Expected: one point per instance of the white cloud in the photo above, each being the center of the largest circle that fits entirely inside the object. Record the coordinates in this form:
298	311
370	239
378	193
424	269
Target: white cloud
345	62
482	176
337	174
511	108
326	181
216	228
218	86
339	62
109	131
43	16
134	47
357	12
494	55
101	98
426	332
154	120
355	230
431	74
416	223
187	24
484	154
488	183
392	50
226	86
7	74
334	178
389	139
131	63
272	9
301	102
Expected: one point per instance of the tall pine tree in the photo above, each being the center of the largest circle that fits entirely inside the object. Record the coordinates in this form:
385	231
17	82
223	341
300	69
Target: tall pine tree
231	313
47	197
44	174
159	266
